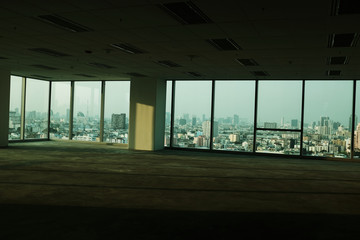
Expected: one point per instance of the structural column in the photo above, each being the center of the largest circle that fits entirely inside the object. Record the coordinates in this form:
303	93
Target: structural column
4	107
147	114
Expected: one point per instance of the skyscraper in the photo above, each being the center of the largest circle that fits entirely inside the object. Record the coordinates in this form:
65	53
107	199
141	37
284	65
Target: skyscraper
350	121
118	121
294	123
206	127
193	121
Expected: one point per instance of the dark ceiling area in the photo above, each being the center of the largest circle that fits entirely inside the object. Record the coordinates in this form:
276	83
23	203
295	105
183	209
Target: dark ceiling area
198	39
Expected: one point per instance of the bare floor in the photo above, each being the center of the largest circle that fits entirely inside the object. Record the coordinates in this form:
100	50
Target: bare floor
63	190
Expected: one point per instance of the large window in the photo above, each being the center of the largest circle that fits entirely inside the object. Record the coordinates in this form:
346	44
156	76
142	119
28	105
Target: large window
356	125
192	123
36	109
116	119
15	108
279	107
168	114
328	107
60	110
233	126
86	121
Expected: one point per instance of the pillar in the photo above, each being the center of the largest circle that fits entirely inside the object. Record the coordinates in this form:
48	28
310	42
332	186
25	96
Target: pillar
147	114
4	107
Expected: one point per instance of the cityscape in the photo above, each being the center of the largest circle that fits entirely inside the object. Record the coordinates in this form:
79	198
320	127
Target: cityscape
325	137
84	128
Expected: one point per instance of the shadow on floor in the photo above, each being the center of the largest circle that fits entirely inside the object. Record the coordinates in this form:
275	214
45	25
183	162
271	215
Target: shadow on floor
58	222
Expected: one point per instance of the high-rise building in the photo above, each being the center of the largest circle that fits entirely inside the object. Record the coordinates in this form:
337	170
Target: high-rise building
294	123
206	127
350	121
325	126
182	121
194	121
236	119
270	125
118	121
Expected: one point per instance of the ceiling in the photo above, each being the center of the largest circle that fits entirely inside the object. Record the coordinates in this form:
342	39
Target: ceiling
287	39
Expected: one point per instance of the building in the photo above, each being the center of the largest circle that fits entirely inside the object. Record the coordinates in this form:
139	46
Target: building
270	125
118	121
82	43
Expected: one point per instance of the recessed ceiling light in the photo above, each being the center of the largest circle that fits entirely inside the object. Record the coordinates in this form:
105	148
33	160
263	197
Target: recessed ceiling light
338	60
128	48
247	62
186	12
343	40
224	44
64	23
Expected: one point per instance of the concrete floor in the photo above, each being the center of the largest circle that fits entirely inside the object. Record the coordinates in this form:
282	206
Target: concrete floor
63	190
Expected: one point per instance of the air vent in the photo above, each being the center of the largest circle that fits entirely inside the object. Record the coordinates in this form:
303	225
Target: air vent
186	12
333	72
128	48
100	65
342	40
44	67
64	23
3	58
194	74
49	52
40	76
134	74
342	7
167	63
338	60
247	62
224	44
84	75
260	73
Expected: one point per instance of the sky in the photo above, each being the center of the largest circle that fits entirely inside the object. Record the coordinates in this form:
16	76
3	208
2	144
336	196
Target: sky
277	99
86	98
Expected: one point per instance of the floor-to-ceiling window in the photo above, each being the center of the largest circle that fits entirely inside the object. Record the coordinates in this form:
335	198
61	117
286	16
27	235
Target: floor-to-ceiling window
168	103
116	112
355	118
60	110
279	117
15	108
192	114
233	125
328	108
86	120
36	109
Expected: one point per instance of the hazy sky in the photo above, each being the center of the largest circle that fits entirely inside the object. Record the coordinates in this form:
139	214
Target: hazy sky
277	99
86	99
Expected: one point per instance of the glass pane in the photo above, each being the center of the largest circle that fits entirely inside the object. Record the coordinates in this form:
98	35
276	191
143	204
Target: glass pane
168	113
328	106
116	119
15	108
281	142
87	100
192	114
60	110
357	122
36	109
234	115
279	104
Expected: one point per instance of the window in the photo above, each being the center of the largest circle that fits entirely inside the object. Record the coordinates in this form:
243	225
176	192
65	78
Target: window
328	107
60	110
36	109
15	108
192	116
233	127
116	119
168	113
279	107
279	104
86	121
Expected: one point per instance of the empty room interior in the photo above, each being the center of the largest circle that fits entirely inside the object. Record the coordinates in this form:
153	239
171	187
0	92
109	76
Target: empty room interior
169	119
